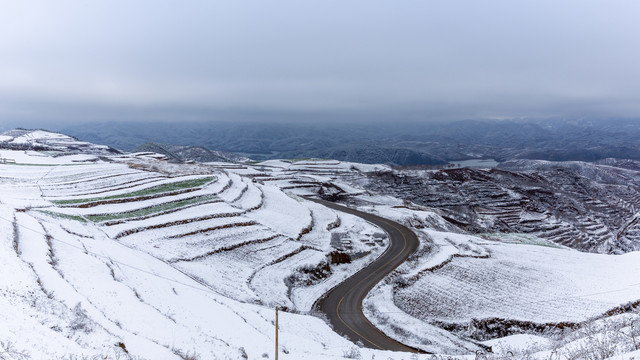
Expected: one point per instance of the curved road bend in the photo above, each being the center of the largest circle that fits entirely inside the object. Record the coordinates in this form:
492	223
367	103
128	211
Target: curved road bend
343	303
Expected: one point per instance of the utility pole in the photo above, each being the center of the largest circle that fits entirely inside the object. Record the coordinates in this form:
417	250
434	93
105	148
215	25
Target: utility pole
276	333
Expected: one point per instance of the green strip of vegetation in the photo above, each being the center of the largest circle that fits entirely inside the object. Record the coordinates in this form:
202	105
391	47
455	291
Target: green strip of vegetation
152	209
179	185
64	216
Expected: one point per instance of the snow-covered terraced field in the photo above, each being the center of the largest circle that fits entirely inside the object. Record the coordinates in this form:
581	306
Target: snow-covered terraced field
188	218
274	232
267	282
165	187
88	295
200	246
187	215
284	214
250	199
235	190
123	257
169	261
540	284
95	184
230	272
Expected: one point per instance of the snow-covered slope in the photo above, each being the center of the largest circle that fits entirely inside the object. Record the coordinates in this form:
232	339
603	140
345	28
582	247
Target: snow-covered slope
130	256
586	206
133	255
42	140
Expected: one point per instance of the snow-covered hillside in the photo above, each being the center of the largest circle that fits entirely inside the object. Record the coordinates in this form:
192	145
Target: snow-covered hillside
108	256
586	206
130	256
52	143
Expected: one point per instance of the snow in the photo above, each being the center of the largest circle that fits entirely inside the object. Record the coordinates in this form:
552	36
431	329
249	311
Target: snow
250	199
121	188
193	212
36	158
381	310
633	355
517	343
282	213
236	190
541	282
206	277
268	282
150	307
553	285
51	142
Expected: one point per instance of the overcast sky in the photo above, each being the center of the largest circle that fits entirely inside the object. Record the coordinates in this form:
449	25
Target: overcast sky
125	60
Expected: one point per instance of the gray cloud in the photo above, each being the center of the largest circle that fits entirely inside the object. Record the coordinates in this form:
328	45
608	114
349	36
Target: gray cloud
460	59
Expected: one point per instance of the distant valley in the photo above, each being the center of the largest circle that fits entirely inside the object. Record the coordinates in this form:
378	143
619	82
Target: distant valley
401	143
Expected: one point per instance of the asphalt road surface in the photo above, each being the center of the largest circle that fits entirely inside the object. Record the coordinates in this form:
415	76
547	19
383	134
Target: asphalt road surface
343	303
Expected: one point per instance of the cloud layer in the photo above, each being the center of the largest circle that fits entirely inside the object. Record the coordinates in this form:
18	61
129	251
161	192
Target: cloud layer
123	59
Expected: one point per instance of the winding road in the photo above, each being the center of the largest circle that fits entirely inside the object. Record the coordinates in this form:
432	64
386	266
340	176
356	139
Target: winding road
343	303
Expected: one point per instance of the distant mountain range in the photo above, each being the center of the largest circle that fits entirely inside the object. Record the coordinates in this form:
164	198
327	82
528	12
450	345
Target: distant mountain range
401	143
389	142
